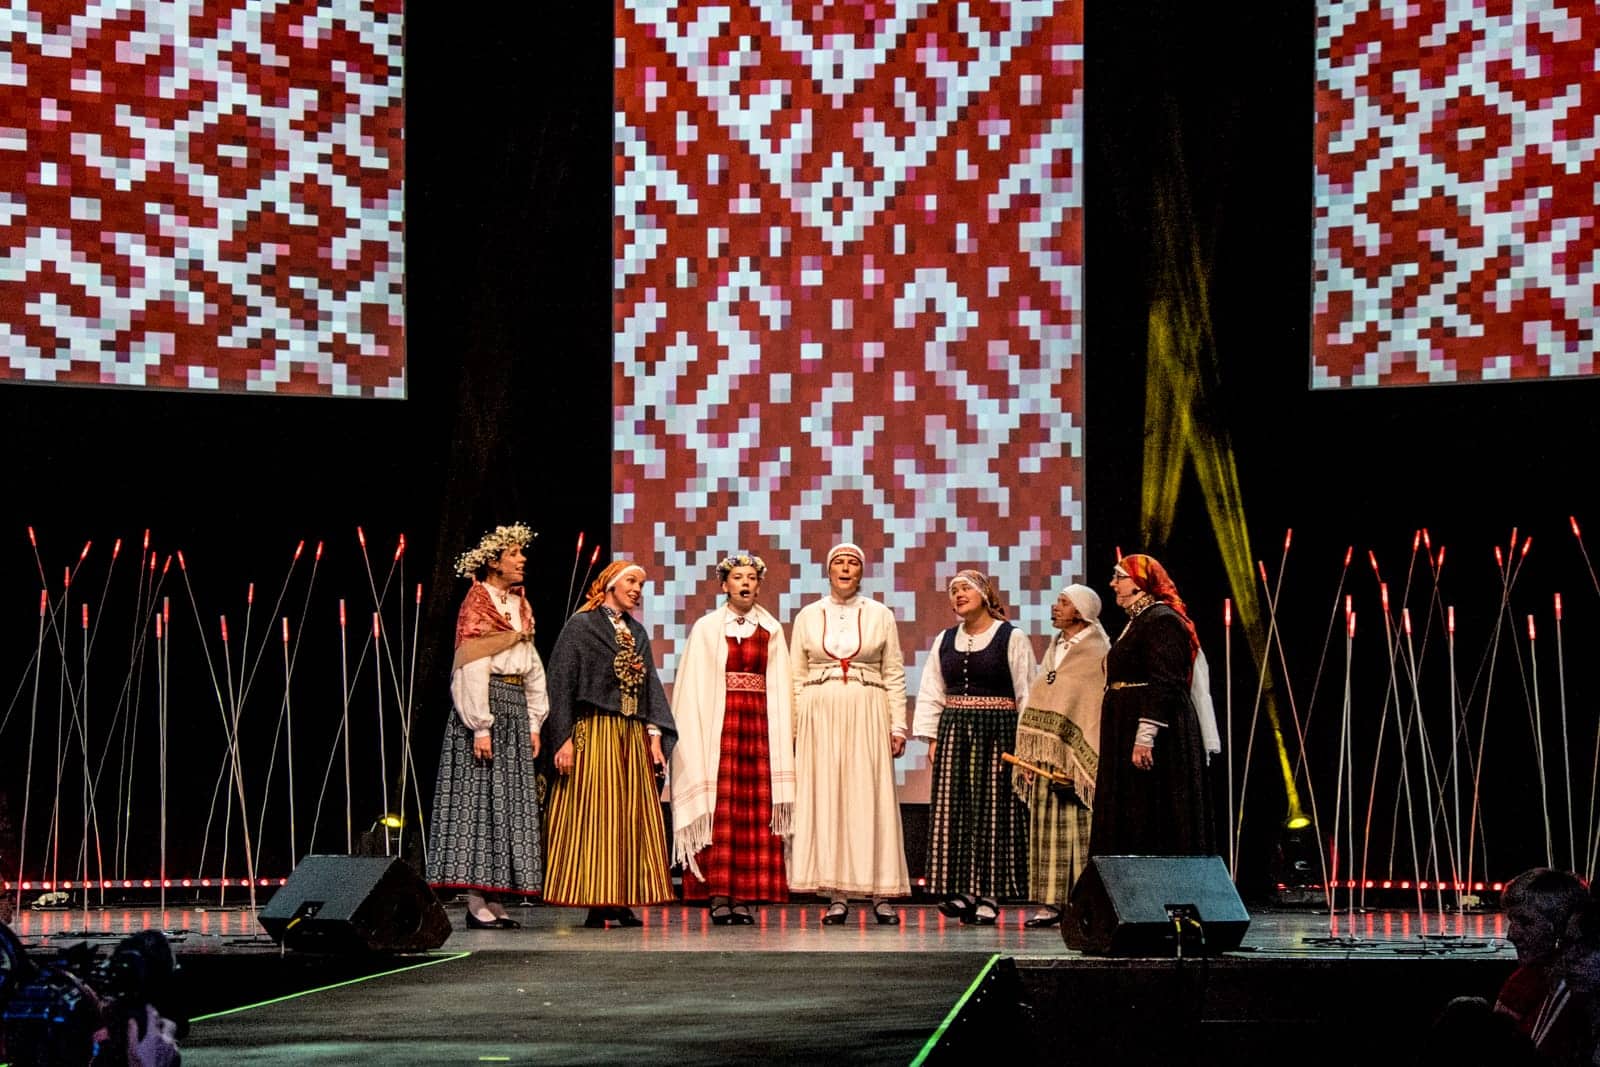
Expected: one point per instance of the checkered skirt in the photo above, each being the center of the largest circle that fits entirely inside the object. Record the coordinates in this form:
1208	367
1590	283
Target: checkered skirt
486	833
978	835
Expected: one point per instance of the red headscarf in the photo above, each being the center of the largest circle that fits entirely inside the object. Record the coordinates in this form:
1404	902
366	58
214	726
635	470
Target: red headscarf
607	578
1151	577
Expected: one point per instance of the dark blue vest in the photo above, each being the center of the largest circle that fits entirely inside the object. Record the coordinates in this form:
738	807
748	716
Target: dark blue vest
985	673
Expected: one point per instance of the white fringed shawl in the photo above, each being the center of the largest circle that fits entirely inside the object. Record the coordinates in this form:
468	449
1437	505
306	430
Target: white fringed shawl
699	699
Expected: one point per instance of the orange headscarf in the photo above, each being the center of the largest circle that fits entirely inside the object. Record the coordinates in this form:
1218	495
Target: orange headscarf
606	579
1150	576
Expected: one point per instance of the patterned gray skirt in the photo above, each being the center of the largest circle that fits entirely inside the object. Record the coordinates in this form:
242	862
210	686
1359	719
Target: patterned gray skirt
487	824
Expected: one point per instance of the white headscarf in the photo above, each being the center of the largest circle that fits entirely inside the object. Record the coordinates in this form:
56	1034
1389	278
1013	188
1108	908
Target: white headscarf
1087	601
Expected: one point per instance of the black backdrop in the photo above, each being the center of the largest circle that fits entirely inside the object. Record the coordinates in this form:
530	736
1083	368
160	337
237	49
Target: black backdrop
508	252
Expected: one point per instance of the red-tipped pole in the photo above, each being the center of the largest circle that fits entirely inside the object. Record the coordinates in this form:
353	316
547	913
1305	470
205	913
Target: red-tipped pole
361	535
1383	596
250	594
1533	634
1261	569
1558	607
1450	619
1227	613
1372	558
86	616
44	599
374	625
318	557
182	566
400	549
1348	552
85	553
1416	539
341	614
116	549
1405	620
1427	542
286	629
297	550
419	592
1288	535
34	541
1350	625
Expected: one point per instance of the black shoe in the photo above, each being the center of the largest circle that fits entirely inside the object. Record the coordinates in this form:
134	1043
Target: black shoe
742	916
983	913
625	917
885	914
475	923
1053	918
722	915
956	907
836	913
596	919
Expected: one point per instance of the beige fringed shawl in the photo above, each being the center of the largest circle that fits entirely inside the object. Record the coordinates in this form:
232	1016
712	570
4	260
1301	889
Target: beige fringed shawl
699	699
1059	729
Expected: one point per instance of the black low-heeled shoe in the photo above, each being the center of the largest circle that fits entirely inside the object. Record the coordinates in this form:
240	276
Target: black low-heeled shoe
1035	922
722	915
475	923
625	917
977	916
836	913
885	913
742	916
596	919
956	907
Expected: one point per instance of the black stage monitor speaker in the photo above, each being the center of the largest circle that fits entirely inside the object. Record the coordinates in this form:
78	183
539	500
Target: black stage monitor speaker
355	904
1154	906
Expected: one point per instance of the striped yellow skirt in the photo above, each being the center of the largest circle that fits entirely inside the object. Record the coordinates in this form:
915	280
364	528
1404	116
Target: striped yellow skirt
606	841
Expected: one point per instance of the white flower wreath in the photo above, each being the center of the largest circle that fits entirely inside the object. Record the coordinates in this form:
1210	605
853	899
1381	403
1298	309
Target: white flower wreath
489	548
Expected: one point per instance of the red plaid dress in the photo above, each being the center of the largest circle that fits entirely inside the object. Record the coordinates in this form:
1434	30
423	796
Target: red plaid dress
745	859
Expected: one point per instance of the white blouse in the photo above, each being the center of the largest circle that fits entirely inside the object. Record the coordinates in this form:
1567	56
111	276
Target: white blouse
469	684
931	694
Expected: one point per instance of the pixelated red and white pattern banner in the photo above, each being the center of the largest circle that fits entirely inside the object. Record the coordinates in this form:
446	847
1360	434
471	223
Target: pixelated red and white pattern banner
1455	191
848	300
202	195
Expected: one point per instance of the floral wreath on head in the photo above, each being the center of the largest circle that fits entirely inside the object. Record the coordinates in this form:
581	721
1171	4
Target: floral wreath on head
516	535
741	559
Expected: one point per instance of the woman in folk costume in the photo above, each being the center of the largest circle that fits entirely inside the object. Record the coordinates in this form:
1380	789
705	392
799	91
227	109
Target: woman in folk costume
1150	796
850	726
977	674
1058	732
610	732
485	837
733	766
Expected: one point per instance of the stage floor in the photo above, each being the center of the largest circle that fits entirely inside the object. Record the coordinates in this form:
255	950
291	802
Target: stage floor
681	990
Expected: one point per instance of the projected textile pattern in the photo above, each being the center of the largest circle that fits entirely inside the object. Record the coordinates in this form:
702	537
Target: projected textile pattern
203	196
1455	192
848	301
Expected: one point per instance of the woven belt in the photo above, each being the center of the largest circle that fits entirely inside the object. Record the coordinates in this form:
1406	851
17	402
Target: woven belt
509	679
862	681
1127	685
981	703
746	682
